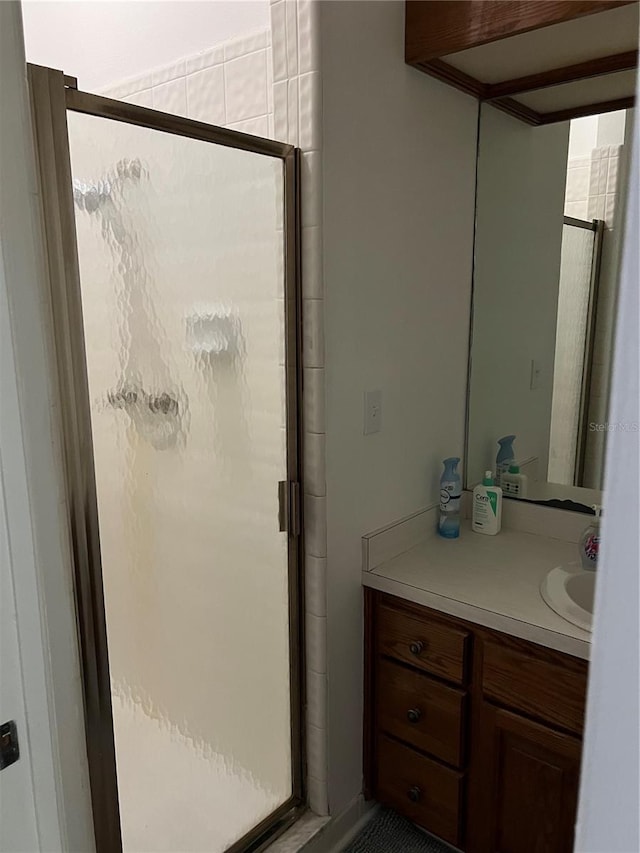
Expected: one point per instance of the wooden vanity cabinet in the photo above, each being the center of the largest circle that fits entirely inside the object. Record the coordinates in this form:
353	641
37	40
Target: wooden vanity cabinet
507	53
533	772
472	734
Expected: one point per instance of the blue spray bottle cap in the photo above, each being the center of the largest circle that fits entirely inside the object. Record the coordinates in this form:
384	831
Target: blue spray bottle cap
505	454
450	464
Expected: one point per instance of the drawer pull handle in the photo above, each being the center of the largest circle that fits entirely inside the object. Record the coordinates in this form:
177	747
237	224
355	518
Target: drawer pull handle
414	715
416	647
414	794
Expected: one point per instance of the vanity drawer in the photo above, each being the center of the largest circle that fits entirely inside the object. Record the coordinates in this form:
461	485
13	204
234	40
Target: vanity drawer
430	646
421	711
421	789
540	683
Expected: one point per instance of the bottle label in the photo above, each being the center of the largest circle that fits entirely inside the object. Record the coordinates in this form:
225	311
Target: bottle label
501	469
591	547
449	497
485	507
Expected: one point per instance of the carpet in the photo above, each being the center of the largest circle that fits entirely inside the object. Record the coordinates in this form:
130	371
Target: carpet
387	832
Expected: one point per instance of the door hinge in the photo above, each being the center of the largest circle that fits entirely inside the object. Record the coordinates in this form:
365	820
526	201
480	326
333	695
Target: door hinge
289	512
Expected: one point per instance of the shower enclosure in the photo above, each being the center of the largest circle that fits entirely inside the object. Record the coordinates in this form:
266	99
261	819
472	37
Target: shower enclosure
173	252
575	328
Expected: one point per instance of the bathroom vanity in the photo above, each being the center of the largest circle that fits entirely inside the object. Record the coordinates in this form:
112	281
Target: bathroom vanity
476	648
475	693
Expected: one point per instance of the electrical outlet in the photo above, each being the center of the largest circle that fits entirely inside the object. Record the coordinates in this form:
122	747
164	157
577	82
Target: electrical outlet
372	412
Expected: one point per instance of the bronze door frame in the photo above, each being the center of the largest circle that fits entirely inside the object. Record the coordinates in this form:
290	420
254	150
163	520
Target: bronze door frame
52	94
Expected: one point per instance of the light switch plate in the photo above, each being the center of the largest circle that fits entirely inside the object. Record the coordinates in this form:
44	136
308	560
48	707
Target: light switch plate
372	412
9	747
536	372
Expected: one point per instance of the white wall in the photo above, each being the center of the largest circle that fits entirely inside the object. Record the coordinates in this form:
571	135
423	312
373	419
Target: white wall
44	797
611	128
521	180
398	189
18	822
102	43
610	789
583	136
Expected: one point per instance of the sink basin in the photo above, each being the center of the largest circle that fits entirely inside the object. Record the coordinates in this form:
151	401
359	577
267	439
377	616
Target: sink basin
570	592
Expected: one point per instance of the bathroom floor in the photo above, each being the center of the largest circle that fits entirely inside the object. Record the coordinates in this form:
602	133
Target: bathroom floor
387	832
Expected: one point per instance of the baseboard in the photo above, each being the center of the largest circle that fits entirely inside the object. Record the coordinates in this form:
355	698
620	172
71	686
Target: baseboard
338	832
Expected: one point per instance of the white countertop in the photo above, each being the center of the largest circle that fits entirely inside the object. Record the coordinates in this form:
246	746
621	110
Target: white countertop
492	581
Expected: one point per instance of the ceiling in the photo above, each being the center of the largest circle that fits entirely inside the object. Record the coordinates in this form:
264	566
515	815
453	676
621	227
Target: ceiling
555	46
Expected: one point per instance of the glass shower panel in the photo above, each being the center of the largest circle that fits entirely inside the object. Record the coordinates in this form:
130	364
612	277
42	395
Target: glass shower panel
181	248
576	262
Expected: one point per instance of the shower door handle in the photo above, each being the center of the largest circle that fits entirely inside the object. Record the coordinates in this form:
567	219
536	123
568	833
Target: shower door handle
289	509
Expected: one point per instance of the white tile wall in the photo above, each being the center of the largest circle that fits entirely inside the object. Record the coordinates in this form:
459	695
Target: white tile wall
313	333
171	97
228	85
315	525
316	629
297	103
205	95
314	410
243	101
142	99
578	186
312	262
173	71
205	59
255	126
291	38
314	464
317	709
315	588
308	41
592	185
279	41
250	43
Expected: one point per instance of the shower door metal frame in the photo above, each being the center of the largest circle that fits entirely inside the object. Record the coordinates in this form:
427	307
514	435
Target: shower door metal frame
52	94
597	226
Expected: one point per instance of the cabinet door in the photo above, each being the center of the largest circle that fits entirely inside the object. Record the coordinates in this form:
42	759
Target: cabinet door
534	771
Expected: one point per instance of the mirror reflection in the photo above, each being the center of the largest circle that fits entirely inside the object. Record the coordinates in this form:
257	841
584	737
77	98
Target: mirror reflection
549	223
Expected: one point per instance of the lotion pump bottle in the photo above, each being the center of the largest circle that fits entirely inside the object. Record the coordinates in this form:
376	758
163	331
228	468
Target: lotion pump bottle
486	513
513	483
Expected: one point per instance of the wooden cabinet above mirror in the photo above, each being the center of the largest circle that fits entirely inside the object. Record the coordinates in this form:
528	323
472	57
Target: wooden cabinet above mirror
539	60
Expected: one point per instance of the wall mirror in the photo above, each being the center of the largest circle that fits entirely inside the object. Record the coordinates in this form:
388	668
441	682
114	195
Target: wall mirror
549	224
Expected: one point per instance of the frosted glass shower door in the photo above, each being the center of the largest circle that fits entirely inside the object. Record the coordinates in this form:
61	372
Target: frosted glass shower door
571	368
181	249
